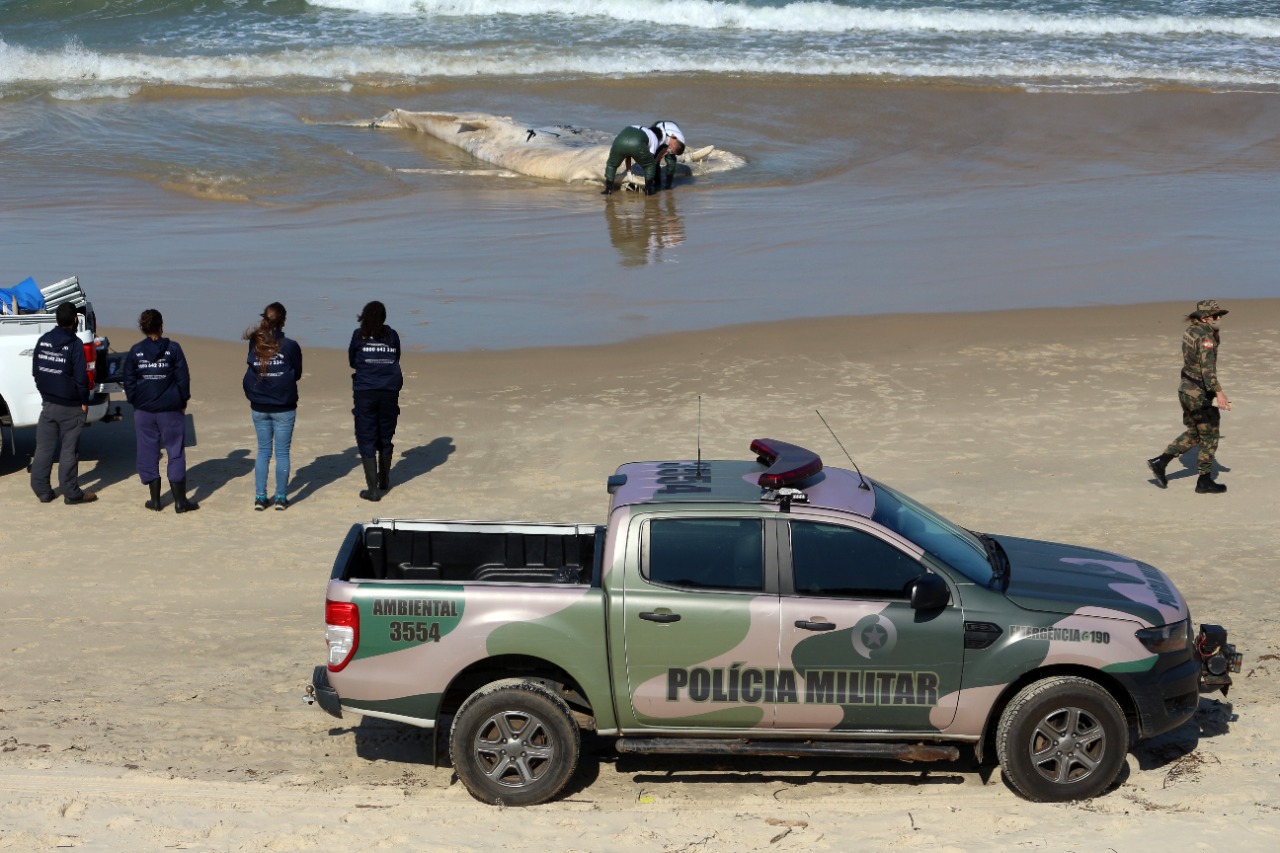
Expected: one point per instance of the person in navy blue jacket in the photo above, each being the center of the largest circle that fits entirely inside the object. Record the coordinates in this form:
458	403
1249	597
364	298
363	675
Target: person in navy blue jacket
62	379
157	383
374	355
271	386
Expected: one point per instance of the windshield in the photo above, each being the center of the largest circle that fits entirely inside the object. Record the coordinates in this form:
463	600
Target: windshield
944	541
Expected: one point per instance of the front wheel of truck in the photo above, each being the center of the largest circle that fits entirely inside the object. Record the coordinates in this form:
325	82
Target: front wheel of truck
1062	738
515	743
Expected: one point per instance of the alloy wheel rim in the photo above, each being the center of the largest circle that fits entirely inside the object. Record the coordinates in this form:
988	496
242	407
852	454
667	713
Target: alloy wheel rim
1067	745
513	748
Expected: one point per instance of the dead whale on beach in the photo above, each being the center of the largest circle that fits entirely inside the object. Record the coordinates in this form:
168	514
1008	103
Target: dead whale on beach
559	153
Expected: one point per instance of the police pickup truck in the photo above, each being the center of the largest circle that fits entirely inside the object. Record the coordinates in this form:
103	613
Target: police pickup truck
762	607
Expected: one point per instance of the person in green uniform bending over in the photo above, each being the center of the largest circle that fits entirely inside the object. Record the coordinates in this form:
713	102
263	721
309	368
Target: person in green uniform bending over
1199	390
646	146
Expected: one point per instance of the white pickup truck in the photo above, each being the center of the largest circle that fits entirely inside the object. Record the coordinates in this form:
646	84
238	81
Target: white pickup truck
19	399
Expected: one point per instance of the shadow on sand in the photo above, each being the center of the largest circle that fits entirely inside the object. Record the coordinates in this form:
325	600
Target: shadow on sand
417	461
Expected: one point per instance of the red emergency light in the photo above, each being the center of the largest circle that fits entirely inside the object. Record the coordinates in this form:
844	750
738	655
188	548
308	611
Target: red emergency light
788	463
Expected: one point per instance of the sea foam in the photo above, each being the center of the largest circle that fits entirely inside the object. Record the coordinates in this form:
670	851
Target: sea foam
822	17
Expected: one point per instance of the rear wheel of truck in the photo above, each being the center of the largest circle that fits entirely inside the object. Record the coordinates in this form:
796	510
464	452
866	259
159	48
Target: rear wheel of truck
514	743
1062	739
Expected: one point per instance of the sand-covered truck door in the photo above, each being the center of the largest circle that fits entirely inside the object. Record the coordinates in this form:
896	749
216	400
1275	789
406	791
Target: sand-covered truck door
863	657
700	622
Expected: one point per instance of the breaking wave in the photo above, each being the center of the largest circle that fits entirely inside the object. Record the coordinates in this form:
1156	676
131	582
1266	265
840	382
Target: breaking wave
823	17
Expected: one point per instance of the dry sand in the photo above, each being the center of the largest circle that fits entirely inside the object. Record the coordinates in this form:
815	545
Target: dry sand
152	666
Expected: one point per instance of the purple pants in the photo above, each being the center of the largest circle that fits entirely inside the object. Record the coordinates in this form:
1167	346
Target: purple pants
157	430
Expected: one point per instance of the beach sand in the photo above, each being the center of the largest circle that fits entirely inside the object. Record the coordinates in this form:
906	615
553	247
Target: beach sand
154	665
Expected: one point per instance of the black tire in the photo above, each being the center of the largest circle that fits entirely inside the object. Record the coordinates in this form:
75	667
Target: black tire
514	743
1063	738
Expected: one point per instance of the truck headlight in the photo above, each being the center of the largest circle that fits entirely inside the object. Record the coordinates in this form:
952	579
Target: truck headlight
1174	637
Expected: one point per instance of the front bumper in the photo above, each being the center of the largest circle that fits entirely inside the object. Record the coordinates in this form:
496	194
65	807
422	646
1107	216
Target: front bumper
319	692
1168	694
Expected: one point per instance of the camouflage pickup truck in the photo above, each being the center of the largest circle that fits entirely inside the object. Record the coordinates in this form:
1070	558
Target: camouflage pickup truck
760	607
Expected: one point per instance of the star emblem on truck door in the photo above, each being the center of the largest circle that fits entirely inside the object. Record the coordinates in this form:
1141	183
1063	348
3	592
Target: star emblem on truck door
874	636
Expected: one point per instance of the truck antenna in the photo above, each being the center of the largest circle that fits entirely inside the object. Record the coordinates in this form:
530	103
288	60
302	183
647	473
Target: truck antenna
699	466
862	483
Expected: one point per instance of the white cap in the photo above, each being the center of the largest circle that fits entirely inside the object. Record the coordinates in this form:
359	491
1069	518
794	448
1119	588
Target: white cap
670	128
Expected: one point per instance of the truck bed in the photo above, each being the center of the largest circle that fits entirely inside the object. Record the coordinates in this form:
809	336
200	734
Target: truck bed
19	400
470	552
67	290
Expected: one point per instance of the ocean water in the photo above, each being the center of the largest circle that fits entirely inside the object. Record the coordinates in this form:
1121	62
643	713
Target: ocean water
113	48
203	156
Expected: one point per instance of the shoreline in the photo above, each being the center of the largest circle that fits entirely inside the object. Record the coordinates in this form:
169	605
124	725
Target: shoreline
1030	321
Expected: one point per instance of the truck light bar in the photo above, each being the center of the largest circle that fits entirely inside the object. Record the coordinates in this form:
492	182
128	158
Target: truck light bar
788	463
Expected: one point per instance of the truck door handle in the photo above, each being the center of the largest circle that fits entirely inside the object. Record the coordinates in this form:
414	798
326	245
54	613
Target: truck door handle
806	625
650	616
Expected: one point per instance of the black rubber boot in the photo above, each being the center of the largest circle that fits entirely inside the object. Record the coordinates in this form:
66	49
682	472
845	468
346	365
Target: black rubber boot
370	479
1157	467
651	186
154	503
1206	486
180	502
384	470
608	188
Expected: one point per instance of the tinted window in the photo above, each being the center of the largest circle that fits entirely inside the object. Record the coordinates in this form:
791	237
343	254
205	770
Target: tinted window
706	553
939	537
842	562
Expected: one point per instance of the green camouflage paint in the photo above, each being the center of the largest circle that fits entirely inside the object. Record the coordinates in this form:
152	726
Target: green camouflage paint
394	618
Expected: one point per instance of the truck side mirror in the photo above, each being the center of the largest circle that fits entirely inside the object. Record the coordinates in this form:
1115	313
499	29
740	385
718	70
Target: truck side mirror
929	592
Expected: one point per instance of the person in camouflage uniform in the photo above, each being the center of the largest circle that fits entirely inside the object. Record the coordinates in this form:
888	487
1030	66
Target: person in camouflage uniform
1199	390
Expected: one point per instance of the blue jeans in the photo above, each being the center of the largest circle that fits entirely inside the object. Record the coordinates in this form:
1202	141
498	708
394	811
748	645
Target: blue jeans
277	428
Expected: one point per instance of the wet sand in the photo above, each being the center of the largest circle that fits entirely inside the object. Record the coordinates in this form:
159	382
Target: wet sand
857	199
154	664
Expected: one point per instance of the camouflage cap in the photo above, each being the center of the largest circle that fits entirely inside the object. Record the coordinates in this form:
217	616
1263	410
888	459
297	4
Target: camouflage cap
1207	307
